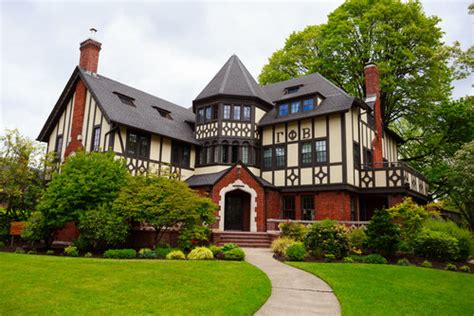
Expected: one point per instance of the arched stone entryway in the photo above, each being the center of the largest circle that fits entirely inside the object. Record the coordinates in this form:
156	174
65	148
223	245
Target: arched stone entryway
237	207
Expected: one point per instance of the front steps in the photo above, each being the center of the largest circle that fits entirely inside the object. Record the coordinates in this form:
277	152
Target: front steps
243	239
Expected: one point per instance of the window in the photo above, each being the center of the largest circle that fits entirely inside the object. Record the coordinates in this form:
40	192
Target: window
267	157
200	115
295	106
208	113
246	113
245	153
138	144
125	99
95	139
280	156
368	159
306	153
216	152
308	105
291	90
321	151
58	147
236	112
180	154
356	153
215	111
227	111
371	119
283	110
164	113
225	152
235	152
209	154
307	207
288	207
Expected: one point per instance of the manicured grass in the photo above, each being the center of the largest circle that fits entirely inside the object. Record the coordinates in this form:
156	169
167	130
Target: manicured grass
364	289
32	284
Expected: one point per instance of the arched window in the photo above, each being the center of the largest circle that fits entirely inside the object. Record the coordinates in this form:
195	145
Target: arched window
225	152
235	152
245	153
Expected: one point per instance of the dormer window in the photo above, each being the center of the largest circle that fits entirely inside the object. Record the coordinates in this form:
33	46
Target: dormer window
283	109
164	113
308	105
292	89
125	99
295	106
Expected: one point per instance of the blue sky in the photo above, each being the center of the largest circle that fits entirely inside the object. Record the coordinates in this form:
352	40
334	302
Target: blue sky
169	49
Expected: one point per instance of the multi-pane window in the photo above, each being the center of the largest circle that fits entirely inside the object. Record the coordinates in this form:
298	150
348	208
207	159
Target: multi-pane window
267	157
246	116
95	139
295	106
306	153
235	152
368	157
356	152
236	112
307	207
200	115
216	152
320	147
225	152
280	156
58	148
227	108
245	153
283	110
138	144
215	111
308	105
209	154
288	207
208	113
180	154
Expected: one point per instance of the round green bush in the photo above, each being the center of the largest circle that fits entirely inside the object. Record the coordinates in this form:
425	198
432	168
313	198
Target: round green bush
176	255
162	252
374	259
215	250
50	252
19	250
383	236
146	253
228	247
327	237
236	254
71	251
293	230
120	254
357	237
280	245
451	267
200	253
404	262
436	244
347	260
296	252
87	255
465	268
426	264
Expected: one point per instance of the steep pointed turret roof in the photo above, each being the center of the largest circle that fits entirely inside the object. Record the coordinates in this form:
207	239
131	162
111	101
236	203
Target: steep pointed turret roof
235	80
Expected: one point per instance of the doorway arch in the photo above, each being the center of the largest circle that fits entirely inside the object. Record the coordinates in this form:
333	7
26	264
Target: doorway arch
249	196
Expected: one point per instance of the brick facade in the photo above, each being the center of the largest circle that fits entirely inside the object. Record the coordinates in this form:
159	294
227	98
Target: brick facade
333	205
77	118
372	88
89	59
394	199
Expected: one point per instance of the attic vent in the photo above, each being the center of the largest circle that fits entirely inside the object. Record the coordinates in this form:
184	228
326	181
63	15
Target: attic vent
292	89
164	113
125	99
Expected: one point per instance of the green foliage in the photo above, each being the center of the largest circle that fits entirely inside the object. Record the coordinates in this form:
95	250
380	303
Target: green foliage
357	237
215	250
35	229
176	255
465	268
436	244
120	254
404	262
19	250
383	236
280	245
235	254
347	260
50	252
463	235
146	253
200	253
451	267
192	236
71	251
329	257
2	244
296	251
32	252
163	203
374	259
293	230
87	255
327	237
426	264
163	251
229	246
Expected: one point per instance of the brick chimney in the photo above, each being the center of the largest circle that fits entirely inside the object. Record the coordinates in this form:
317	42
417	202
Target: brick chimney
90	49
372	89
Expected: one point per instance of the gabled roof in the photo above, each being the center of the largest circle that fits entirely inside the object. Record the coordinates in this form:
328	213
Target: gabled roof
143	115
233	79
334	98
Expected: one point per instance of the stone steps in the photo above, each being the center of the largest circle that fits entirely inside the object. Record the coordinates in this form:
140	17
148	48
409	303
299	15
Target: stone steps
244	239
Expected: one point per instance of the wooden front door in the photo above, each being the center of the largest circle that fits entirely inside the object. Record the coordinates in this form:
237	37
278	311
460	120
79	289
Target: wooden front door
236	207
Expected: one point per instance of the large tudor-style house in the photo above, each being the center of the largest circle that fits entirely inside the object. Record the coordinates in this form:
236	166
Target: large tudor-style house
299	149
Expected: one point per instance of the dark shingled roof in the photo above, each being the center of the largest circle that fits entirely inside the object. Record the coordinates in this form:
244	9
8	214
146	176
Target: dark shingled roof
212	178
235	80
335	99
141	116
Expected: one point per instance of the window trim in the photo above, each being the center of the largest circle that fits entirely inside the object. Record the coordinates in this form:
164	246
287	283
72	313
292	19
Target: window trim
138	134
275	164
182	163
310	143
284	206
303	209
93	138
315	156
59	150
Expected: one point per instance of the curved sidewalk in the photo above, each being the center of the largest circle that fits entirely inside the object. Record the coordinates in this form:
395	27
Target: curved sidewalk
294	292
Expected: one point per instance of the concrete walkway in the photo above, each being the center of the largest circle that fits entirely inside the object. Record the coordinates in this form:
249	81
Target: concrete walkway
294	292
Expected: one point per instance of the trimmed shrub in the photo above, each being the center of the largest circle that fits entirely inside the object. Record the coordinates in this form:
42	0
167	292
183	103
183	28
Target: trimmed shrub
450	267
293	230
327	237
2	244
32	252
426	264
200	253
465	268
215	250
383	236
404	262
50	252
120	254
463	235
329	257
87	255
357	237
347	260
236	254
228	247
146	253
71	251
20	250
280	245
434	244
374	259
296	251
176	255
162	252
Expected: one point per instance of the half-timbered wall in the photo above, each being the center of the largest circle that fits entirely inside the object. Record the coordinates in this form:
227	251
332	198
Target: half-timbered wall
62	128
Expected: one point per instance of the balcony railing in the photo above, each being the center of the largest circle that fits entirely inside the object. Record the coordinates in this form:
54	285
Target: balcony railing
392	175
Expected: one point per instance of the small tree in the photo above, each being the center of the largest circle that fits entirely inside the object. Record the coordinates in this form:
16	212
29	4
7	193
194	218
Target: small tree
383	236
163	203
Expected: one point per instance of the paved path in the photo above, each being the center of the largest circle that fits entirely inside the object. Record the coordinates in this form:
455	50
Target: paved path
294	292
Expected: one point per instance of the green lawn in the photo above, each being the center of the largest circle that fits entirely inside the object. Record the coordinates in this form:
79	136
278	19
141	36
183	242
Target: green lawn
31	284
364	289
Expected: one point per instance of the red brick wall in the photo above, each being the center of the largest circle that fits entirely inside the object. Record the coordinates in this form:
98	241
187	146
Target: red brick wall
68	233
77	118
89	59
372	87
333	205
394	199
273	200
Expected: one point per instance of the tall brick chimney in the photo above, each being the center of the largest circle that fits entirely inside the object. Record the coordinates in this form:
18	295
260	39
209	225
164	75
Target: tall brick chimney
90	49
372	89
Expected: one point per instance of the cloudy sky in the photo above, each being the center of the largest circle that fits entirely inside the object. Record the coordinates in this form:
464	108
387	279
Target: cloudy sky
169	49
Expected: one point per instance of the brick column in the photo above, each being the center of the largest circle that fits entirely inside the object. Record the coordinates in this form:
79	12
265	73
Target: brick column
77	119
372	88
